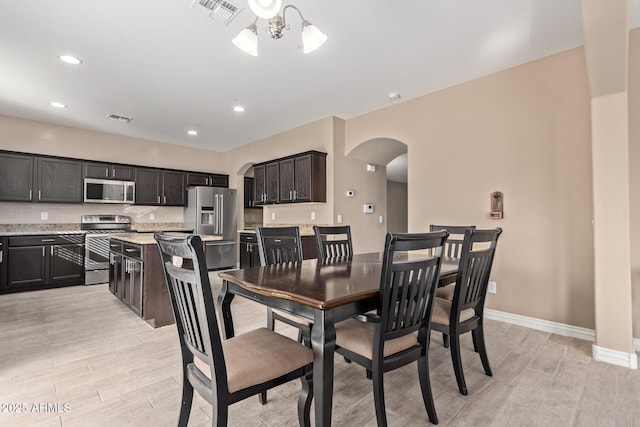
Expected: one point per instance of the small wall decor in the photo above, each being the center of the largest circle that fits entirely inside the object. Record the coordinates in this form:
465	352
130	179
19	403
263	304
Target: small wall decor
496	205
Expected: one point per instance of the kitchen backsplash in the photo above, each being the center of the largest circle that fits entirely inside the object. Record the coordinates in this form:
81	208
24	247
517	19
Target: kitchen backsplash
31	213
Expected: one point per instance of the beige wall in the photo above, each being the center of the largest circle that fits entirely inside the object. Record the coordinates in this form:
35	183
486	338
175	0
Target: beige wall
525	132
634	173
43	138
397	207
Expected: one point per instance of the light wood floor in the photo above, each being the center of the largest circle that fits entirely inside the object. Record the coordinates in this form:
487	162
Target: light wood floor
81	347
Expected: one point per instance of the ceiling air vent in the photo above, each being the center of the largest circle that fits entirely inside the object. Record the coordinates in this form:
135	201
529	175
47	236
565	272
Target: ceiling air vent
118	118
218	9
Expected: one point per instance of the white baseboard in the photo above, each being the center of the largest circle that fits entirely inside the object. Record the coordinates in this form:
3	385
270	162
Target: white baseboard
629	360
615	357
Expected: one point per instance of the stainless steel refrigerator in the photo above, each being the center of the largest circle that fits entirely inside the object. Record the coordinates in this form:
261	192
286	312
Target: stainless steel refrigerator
213	211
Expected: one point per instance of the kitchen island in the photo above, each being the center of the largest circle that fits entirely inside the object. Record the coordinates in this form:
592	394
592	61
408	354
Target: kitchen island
136	278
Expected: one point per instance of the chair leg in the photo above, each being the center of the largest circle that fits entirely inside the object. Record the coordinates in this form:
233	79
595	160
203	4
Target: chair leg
262	397
271	323
187	400
445	340
457	363
347	360
304	399
481	348
378	397
369	374
425	386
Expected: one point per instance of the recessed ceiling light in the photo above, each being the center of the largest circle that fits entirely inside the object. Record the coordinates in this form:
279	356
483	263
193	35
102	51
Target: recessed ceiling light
69	59
57	104
394	96
239	109
192	132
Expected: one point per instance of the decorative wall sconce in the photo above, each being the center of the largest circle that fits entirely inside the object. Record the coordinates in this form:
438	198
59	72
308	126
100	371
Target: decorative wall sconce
496	205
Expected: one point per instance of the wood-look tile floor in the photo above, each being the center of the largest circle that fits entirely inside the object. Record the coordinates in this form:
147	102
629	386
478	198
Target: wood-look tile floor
77	357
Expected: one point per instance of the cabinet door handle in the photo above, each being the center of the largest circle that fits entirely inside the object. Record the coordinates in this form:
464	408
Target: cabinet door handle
1	257
30	194
295	194
106	172
158	199
290	195
39	194
165	200
48	240
43	252
51	250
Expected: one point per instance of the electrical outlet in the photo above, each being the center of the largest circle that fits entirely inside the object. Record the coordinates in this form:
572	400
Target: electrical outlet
381	219
152	216
313	216
339	219
44	215
493	287
273	216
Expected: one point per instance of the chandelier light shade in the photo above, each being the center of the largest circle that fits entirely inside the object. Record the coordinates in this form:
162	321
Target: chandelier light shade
265	9
247	40
312	37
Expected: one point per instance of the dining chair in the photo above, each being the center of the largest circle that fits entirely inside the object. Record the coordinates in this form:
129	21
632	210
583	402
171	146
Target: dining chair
239	367
398	332
333	242
452	251
465	312
277	245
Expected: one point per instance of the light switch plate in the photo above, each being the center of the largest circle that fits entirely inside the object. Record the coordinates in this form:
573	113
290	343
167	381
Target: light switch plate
152	216
493	287
339	219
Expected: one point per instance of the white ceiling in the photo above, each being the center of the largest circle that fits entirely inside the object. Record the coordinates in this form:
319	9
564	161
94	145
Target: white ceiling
172	68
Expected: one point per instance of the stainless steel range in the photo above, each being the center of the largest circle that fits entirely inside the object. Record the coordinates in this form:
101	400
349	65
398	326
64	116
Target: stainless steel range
99	229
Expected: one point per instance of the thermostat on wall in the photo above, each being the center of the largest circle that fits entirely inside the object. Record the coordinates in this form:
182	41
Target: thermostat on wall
367	208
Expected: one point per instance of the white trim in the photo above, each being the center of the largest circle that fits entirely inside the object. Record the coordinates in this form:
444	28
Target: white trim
615	357
620	358
542	325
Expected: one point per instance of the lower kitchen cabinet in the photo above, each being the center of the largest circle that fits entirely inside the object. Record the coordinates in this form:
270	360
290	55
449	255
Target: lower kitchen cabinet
40	262
249	253
136	279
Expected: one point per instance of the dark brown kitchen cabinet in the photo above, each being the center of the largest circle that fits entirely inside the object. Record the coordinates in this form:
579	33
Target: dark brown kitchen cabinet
16	177
3	264
303	179
59	180
298	178
201	179
125	274
249	256
40	262
266	183
160	187
249	188
108	171
136	279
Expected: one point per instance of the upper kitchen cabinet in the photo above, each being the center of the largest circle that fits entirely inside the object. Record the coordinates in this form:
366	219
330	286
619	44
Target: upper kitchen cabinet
266	178
249	188
59	180
160	188
200	179
108	171
299	178
16	177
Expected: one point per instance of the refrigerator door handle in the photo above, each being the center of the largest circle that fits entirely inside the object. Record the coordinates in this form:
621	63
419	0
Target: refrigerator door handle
221	231
216	215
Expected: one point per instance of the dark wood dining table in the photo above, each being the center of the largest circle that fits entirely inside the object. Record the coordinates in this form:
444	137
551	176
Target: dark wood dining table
323	292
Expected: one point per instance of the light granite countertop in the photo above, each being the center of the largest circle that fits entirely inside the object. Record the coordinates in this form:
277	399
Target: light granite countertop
147	238
9	230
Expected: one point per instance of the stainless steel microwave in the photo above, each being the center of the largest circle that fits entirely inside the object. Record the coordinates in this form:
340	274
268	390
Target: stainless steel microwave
109	191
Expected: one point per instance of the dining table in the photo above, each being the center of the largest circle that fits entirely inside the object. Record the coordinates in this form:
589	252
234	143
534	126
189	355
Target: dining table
324	292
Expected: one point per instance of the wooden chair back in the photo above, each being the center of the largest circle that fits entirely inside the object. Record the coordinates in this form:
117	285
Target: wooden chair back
333	242
408	282
278	245
187	281
453	245
478	251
